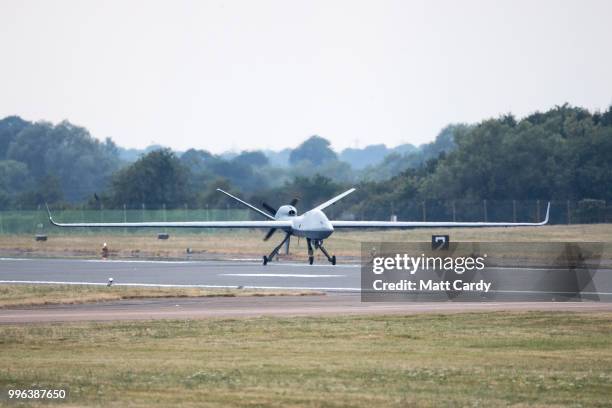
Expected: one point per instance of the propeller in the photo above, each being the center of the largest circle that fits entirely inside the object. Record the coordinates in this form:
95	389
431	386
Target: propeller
271	232
268	208
272	211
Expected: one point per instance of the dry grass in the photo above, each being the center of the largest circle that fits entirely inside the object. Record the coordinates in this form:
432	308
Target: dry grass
484	359
36	295
223	244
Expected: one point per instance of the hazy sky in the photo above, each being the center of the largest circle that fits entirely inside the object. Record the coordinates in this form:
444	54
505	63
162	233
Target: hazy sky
250	74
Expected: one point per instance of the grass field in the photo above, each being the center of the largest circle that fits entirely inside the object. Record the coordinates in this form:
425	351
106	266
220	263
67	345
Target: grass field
250	244
36	295
495	359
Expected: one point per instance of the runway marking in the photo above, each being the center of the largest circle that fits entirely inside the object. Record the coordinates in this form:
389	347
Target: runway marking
194	262
528	268
305	265
246	261
432	292
552	293
331	289
167	285
131	261
280	275
17	259
97	260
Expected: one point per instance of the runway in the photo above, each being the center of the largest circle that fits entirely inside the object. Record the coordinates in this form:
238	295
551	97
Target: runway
254	275
341	283
209	274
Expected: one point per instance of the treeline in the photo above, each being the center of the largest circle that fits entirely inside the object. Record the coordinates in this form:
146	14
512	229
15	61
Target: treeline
42	162
562	154
63	164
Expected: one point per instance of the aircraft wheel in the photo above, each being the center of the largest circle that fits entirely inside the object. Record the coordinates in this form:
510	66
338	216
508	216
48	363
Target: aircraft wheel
265	259
333	260
310	259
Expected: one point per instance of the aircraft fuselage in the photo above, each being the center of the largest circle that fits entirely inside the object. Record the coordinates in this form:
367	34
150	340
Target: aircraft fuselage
313	224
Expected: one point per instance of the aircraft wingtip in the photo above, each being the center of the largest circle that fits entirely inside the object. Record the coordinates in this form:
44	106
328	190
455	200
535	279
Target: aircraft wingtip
49	213
547	213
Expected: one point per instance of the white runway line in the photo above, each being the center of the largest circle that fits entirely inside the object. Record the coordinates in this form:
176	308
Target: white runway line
195	262
549	292
244	259
97	260
17	259
305	265
331	289
163	285
130	261
517	268
281	275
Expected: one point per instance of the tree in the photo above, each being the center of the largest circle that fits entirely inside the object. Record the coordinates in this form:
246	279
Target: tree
196	160
368	156
47	191
315	150
9	128
310	191
155	179
209	197
81	163
13	176
254	159
563	153
14	179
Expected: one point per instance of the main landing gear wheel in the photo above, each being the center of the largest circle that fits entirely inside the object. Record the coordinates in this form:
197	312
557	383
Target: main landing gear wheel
310	259
274	252
331	259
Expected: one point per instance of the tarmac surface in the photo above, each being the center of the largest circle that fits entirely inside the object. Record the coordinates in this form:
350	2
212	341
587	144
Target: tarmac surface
208	274
280	306
341	284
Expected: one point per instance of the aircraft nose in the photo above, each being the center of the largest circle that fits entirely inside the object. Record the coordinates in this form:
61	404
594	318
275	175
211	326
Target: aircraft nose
324	231
317	225
328	225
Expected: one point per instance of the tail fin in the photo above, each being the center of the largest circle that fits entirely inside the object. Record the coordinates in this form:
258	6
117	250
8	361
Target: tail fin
333	200
252	207
547	215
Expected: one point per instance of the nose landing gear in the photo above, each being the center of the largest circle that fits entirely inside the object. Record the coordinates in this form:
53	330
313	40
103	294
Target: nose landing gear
310	251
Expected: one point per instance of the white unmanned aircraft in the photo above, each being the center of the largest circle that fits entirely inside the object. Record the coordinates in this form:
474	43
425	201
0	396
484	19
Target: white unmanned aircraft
312	225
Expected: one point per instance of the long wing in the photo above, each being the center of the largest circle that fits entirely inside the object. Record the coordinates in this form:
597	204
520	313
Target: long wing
177	224
186	224
443	224
333	200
